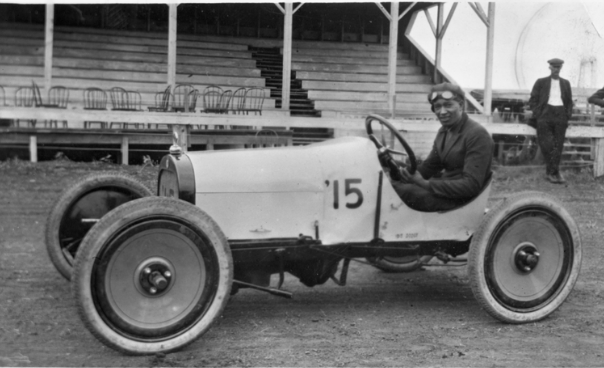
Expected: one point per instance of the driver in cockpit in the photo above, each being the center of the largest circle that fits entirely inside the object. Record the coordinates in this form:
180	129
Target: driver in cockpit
459	163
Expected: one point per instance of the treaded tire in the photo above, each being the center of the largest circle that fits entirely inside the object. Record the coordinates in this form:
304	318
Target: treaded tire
399	264
63	223
510	285
107	287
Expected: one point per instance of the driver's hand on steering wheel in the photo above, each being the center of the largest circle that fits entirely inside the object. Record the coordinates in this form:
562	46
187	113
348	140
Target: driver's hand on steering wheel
415	178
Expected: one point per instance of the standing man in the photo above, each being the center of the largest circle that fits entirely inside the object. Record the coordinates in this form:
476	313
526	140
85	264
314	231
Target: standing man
552	105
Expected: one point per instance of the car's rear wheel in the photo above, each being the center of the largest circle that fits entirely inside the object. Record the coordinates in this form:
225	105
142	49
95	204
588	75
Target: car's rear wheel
79	207
152	276
399	264
525	258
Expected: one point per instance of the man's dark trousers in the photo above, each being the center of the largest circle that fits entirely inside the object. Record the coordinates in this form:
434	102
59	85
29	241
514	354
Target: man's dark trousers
551	130
421	199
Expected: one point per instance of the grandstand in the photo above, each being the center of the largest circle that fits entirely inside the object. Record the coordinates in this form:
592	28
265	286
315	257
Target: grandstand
328	77
336	76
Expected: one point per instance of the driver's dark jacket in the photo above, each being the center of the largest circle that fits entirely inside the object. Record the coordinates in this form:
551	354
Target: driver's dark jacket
460	169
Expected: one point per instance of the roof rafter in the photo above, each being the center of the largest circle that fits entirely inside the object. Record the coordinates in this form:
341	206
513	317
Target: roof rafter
384	10
480	12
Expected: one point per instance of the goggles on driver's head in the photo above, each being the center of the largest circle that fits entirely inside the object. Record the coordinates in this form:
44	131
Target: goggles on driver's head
447	95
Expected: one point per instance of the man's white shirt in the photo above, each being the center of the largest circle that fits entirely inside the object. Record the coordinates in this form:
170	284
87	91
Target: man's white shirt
555	94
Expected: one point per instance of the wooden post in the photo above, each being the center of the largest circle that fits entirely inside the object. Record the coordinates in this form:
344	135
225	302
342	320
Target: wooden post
362	29
172	46
439	43
287	55
258	29
392	54
322	38
592	113
599	157
124	149
48	45
33	148
488	80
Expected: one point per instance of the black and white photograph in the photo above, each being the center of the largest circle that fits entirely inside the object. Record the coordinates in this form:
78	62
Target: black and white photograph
301	184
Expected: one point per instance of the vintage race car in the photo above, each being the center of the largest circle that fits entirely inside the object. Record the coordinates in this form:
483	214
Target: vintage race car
152	273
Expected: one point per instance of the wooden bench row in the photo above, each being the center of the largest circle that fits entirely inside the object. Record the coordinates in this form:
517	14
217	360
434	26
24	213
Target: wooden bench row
348	68
116	39
126	77
109	65
140	57
409	74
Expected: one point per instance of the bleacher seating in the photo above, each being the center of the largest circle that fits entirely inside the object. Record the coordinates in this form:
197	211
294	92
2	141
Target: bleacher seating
353	78
135	61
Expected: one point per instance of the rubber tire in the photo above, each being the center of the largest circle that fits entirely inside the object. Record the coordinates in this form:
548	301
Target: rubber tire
120	219
72	194
482	238
385	265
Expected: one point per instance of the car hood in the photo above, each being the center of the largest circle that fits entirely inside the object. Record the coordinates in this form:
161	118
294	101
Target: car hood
282	169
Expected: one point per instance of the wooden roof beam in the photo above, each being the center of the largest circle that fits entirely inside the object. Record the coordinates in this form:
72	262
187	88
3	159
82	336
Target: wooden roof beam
430	22
406	10
384	11
280	7
444	29
480	12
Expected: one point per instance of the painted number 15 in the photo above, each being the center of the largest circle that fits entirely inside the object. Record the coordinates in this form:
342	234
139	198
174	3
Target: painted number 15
348	190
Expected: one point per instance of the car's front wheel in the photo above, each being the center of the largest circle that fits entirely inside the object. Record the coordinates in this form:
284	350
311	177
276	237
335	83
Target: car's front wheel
152	275
525	258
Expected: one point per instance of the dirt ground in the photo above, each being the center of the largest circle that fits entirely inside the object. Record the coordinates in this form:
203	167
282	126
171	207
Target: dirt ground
425	318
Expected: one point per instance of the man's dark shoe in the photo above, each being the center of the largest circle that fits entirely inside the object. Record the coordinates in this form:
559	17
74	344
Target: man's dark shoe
560	178
552	178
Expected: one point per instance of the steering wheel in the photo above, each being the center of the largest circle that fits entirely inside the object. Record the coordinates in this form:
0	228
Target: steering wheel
381	148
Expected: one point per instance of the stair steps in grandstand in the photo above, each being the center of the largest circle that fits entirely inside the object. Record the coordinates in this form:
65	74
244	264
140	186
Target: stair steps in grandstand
270	61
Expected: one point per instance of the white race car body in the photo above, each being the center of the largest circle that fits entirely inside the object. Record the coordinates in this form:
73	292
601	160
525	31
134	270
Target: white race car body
329	191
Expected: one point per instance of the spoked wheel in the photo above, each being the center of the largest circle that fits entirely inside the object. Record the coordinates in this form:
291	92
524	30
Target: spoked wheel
399	264
525	258
152	276
79	207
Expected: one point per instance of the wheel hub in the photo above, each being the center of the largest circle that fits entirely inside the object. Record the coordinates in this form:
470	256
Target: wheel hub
154	276
526	257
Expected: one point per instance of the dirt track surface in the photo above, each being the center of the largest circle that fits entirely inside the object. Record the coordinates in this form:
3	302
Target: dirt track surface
425	318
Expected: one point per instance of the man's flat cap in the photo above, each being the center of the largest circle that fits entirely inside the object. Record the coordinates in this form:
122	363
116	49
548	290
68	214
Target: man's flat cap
556	61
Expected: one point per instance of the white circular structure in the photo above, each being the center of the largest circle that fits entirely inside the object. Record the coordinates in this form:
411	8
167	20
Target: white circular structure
566	30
